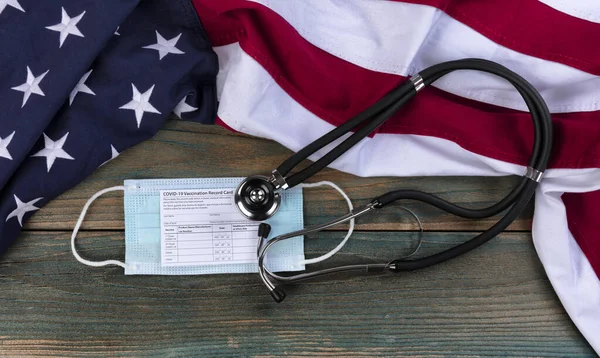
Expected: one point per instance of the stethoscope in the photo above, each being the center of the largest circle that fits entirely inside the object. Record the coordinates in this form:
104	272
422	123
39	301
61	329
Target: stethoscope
259	197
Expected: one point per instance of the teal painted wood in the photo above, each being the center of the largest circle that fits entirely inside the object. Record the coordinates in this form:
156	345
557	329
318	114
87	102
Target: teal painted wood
186	150
493	301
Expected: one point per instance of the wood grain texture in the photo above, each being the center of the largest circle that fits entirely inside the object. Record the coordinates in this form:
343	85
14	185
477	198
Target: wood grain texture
494	301
187	150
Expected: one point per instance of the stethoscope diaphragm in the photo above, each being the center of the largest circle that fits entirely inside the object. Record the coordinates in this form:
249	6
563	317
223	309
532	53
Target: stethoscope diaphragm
256	198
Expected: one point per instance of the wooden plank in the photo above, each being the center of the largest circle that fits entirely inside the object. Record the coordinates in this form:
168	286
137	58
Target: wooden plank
493	301
188	150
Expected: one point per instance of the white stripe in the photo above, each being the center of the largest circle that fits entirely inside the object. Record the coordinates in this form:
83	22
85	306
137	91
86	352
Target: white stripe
568	269
253	103
400	38
583	9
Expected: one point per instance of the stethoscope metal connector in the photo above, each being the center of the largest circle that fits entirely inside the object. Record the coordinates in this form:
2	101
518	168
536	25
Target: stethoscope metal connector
278	180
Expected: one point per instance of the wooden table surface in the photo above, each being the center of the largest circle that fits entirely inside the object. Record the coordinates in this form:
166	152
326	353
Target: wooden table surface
496	300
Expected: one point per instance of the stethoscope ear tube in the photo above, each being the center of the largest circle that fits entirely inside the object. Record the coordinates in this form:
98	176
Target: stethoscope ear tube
542	121
370	119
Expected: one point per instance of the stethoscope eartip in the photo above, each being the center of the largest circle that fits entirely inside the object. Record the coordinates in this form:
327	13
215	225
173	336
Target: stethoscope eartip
264	230
277	294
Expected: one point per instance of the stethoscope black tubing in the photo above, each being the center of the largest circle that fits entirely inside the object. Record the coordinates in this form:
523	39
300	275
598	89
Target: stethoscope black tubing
449	207
411	265
376	115
350	142
496	229
539	160
373	116
388	105
542	121
366	115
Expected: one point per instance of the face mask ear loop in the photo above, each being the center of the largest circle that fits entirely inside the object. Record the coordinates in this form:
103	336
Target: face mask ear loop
78	225
350	229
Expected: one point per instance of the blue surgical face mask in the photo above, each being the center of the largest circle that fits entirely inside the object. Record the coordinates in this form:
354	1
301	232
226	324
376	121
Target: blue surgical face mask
143	229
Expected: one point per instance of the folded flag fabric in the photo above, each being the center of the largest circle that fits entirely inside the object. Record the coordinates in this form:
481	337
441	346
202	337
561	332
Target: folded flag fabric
292	70
83	80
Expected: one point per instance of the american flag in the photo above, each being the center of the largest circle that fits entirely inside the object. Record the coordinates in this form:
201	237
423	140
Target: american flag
83	80
74	93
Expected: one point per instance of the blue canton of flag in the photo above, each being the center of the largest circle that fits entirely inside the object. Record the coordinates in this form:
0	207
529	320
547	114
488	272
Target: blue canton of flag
81	81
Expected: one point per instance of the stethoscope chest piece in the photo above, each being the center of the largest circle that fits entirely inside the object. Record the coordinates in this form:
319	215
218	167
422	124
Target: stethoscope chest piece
256	198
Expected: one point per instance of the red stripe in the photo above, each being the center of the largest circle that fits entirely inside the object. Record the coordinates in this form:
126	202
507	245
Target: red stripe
529	27
583	215
220	27
335	90
219	122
